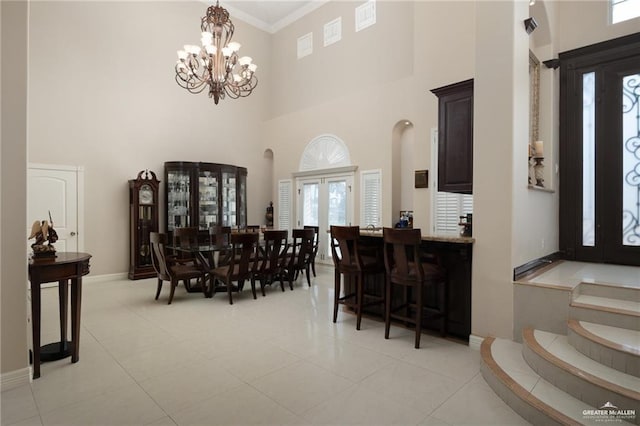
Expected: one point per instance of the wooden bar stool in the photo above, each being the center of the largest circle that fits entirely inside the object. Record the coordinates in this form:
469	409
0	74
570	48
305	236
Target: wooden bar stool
354	265
406	268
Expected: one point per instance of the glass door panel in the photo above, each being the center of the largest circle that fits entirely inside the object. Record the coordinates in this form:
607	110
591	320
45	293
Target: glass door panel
178	196
229	214
310	200
208	211
631	160
589	159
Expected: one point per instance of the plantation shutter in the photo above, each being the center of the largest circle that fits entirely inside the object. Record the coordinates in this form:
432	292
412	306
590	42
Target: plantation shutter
284	204
449	207
371	198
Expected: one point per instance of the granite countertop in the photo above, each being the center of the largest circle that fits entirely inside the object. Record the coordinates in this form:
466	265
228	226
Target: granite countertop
439	238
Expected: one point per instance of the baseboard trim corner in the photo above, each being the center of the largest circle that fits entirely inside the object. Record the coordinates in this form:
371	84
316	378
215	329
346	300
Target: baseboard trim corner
14	379
475	342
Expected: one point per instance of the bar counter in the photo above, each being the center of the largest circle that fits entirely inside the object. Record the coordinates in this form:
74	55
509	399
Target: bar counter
455	253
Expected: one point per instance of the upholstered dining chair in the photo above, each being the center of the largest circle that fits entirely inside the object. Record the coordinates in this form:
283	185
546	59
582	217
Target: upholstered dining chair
169	269
407	268
241	266
350	261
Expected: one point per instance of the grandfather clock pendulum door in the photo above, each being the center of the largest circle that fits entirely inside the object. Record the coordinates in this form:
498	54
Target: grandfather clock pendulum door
143	216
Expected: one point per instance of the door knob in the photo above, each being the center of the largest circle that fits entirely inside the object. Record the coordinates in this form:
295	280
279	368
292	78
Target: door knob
72	233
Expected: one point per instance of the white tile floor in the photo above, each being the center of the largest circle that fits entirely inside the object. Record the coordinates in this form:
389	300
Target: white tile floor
275	360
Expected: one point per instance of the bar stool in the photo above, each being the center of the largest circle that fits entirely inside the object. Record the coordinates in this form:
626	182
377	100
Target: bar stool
406	268
354	265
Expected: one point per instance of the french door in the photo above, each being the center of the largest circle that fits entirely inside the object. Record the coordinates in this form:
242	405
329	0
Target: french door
323	201
600	155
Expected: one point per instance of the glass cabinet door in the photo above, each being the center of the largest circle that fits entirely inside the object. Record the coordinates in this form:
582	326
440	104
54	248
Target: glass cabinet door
242	199
178	199
208	200
229	201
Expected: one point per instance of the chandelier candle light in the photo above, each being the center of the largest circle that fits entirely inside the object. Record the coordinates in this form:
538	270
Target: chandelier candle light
216	64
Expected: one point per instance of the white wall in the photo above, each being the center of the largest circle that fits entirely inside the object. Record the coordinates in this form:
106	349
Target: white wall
102	95
13	191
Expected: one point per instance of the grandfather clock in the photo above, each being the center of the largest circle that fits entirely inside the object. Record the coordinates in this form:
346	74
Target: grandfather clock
143	216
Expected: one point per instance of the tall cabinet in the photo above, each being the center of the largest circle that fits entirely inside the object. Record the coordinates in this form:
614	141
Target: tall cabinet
204	194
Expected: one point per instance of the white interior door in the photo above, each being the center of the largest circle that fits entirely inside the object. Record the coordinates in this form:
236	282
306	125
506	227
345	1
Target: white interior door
325	201
55	189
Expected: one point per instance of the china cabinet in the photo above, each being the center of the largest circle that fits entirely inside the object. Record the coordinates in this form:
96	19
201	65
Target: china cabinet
204	194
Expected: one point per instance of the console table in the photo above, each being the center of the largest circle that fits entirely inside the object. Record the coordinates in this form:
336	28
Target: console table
63	268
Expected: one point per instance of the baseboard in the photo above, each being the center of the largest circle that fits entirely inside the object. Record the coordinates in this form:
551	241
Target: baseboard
14	379
475	342
105	277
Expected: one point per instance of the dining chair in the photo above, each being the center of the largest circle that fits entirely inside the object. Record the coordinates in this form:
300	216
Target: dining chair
355	264
316	242
169	269
299	258
241	267
186	238
407	268
219	236
271	261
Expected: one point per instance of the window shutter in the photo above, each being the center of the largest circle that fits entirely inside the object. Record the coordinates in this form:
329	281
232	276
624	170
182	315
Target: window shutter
371	198
284	204
446	212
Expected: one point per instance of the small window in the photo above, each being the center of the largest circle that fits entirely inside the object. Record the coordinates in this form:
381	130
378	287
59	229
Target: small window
623	10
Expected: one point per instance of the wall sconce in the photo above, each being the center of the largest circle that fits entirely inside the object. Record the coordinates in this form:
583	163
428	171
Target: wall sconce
530	24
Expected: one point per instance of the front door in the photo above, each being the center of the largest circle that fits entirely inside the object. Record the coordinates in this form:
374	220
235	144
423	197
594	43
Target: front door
325	201
603	151
54	189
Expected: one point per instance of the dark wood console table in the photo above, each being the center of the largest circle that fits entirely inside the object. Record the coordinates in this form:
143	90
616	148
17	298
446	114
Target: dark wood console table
64	267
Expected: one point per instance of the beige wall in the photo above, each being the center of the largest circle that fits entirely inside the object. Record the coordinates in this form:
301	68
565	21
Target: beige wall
581	23
361	87
13	190
102	95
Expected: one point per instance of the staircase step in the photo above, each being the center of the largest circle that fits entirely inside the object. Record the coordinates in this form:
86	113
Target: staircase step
554	359
612	291
528	394
606	310
615	347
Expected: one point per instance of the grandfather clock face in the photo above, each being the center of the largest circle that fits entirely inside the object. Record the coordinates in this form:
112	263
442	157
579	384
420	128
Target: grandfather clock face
145	195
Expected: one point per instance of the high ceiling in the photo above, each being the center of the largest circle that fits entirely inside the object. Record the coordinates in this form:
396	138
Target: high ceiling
270	15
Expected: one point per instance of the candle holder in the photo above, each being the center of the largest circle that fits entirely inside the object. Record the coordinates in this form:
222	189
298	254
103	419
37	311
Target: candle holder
538	170
530	167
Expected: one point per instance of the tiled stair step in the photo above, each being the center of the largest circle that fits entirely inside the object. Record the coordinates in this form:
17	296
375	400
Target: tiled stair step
554	359
615	347
529	395
610	291
605	310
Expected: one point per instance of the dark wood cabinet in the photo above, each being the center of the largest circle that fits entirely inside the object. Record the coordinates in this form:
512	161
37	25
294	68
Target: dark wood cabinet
204	194
455	137
143	219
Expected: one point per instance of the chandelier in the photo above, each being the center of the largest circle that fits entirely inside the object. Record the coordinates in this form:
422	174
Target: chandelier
216	64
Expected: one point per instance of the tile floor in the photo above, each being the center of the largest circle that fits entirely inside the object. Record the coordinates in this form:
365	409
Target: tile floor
275	360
